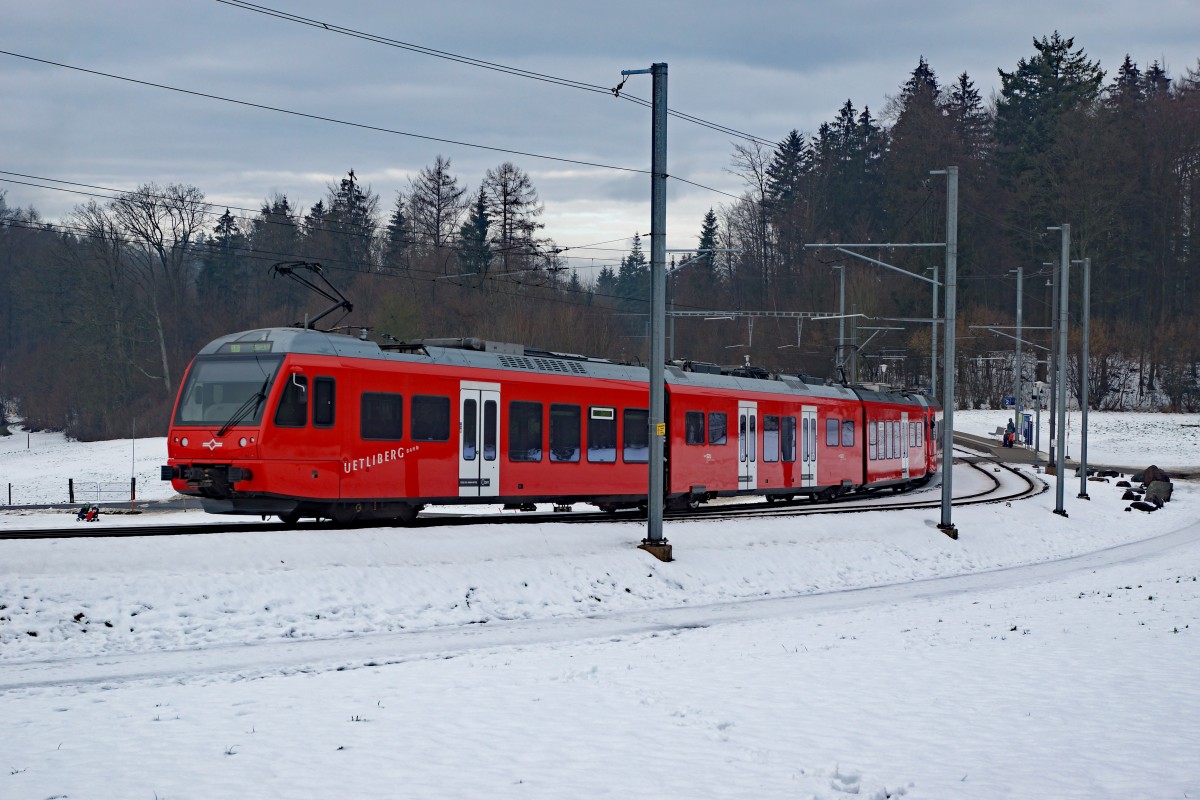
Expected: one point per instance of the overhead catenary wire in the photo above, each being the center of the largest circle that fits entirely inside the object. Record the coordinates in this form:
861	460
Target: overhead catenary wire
482	64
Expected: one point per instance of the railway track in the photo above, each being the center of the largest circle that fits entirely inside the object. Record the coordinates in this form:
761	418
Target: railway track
1021	486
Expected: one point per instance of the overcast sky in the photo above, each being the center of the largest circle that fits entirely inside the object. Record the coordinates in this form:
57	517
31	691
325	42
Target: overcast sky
763	67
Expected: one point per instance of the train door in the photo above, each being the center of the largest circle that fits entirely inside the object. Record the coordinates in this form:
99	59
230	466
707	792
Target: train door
747	445
905	441
808	445
479	439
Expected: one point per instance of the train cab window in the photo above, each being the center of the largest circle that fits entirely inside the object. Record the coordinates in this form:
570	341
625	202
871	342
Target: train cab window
430	418
718	424
524	431
323	402
382	416
872	441
602	435
635	424
787	438
693	423
293	404
770	428
564	433
847	433
831	432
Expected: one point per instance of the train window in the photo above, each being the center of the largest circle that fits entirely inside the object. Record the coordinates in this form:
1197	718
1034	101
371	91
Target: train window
752	441
470	431
491	427
293	404
382	416
693	423
898	437
323	406
770	427
831	432
602	435
917	442
787	439
847	433
635	423
564	433
718	423
430	418
217	389
524	431
872	441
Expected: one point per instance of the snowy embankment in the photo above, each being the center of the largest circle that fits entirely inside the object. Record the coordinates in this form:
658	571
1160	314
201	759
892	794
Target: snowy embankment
543	660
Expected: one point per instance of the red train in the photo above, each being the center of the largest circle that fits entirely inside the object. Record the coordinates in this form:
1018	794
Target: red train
299	423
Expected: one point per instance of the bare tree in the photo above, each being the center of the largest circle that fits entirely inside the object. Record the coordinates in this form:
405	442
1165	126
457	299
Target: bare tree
436	204
162	223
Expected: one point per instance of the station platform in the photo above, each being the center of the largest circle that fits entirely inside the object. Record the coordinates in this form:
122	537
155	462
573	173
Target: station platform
1020	454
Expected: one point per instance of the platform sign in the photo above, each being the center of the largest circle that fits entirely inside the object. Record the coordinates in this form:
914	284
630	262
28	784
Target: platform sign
1008	402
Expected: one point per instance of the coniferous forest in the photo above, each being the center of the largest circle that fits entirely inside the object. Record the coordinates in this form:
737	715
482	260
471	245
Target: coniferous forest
101	311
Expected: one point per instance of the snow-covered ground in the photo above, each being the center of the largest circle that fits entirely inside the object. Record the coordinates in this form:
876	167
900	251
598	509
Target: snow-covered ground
804	657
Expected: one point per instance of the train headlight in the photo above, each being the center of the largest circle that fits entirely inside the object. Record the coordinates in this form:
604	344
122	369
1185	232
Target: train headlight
183	441
242	441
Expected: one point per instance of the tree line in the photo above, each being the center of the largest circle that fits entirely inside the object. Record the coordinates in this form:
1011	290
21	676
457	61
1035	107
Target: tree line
102	310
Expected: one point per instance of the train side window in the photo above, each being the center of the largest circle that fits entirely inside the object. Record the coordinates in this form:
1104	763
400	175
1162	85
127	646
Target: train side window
293	404
382	416
872	441
718	425
847	433
787	439
918	443
430	418
470	431
323	402
602	435
898	435
831	432
564	433
491	428
770	428
693	423
636	435
524	431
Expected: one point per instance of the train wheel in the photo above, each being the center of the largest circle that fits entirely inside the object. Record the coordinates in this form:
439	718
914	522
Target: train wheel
407	514
289	518
344	515
771	499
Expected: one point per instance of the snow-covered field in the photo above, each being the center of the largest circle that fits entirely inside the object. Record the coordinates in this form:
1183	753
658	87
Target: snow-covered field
864	655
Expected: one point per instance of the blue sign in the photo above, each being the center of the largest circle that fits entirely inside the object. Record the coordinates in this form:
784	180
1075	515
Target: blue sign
1008	402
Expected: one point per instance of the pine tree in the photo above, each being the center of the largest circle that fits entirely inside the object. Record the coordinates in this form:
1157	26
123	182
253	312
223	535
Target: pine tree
351	223
1035	96
633	279
475	251
397	236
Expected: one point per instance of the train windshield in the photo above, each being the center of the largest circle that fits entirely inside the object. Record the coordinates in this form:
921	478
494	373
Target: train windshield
224	390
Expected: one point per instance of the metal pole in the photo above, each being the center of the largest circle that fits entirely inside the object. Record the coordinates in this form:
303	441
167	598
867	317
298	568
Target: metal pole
933	338
946	525
1017	359
658	259
1061	378
1085	364
1052	367
853	343
841	353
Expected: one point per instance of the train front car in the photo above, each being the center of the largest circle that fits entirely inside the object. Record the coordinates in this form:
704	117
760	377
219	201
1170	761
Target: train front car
240	392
